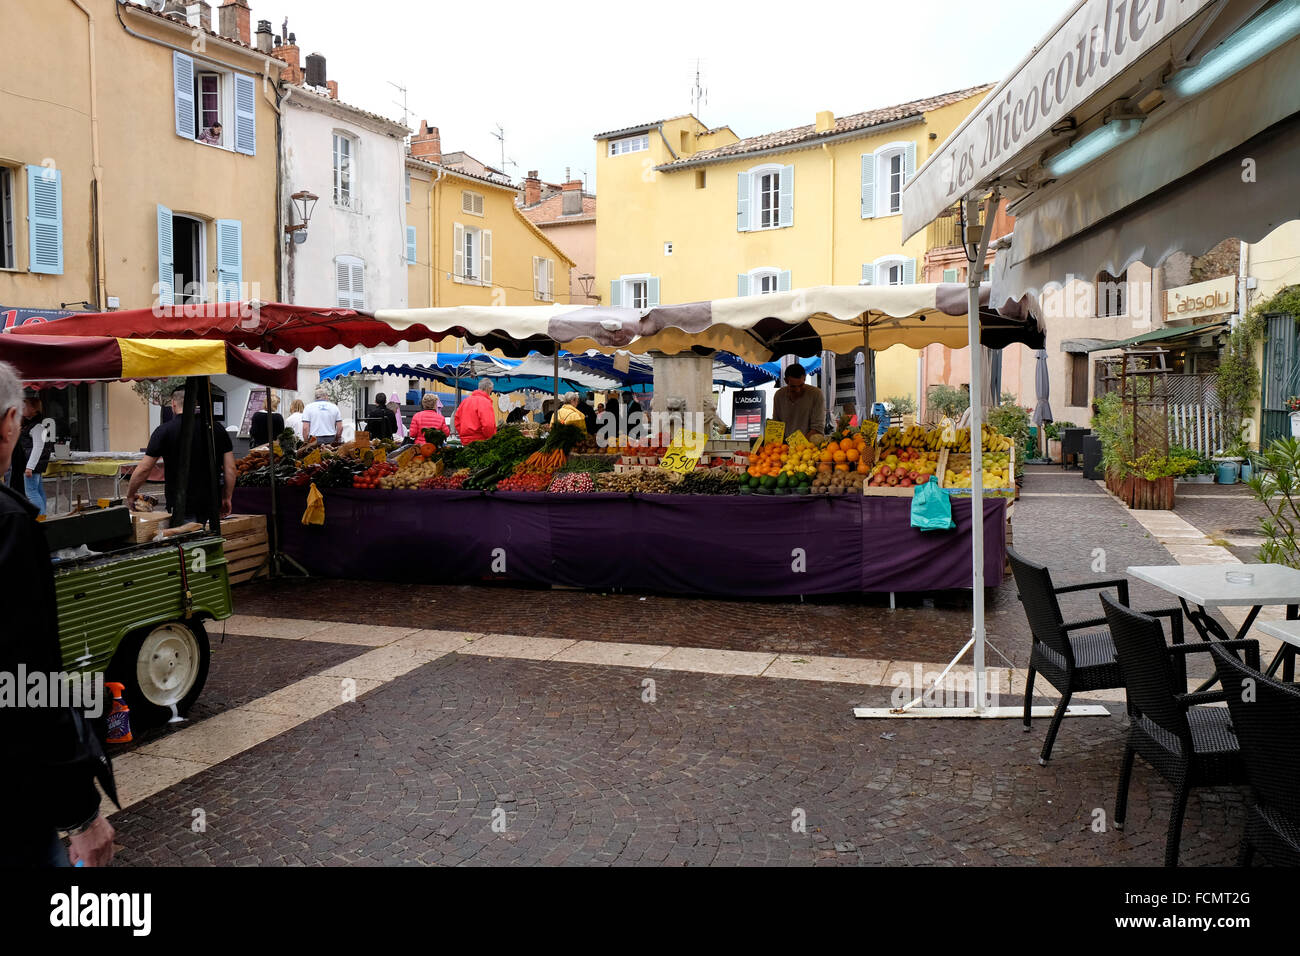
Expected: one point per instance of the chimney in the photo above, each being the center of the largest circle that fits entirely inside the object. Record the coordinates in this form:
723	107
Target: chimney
315	69
532	189
571	198
427	144
825	121
176	9
333	87
201	15
289	54
264	44
236	21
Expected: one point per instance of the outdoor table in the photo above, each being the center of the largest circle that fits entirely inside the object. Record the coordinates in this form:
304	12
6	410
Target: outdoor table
117	467
1288	632
1207	585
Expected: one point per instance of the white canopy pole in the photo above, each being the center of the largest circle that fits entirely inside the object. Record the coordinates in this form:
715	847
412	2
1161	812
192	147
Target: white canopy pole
973	274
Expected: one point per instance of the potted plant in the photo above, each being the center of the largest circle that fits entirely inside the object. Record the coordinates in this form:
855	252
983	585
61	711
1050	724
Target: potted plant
1053	432
1149	484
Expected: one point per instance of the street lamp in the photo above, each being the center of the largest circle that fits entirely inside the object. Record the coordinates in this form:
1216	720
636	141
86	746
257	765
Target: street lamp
305	202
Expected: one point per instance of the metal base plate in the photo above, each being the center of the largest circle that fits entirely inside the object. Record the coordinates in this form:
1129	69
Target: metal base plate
1074	710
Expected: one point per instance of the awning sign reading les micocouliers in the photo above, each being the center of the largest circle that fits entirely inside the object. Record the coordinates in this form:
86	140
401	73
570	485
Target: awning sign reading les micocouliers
1093	46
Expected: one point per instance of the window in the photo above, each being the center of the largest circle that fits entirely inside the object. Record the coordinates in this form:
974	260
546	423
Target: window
351	282
204	95
44	220
408	185
889	270
951	275
207	95
7	258
668	248
1112	294
884	174
629	144
762	281
543	279
635	291
471	254
765	198
471	203
189	274
344	157
700	179
1079	379
410	245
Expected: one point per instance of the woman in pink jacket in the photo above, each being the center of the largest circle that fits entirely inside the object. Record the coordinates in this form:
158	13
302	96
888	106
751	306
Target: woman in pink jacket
429	416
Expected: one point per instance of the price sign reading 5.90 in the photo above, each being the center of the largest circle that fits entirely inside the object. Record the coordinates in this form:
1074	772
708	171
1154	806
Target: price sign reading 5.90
684	453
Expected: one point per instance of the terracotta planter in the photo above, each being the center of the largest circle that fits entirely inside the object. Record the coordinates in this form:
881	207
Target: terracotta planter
1141	494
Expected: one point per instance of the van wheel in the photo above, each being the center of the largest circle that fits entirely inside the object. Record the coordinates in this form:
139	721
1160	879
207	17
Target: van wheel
162	667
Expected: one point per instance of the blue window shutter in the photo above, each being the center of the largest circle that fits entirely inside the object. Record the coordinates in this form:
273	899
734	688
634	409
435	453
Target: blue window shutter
868	185
410	245
787	196
742	284
950	275
868	274
652	291
616	292
245	114
742	202
44	220
783	281
183	94
230	260
166	269
909	161
909	271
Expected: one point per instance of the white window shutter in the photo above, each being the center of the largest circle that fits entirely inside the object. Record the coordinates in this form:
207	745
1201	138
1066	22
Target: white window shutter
909	271
742	284
230	260
358	284
950	275
783	281
616	293
868	274
485	253
457	252
550	280
342	283
868	185
909	161
245	114
183	94
742	201
410	245
45	220
652	291
787	196
166	270
537	277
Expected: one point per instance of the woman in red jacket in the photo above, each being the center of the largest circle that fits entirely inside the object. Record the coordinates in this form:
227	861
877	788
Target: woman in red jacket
429	416
476	418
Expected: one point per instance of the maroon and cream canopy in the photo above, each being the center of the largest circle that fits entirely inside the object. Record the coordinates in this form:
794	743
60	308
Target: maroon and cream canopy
757	328
67	359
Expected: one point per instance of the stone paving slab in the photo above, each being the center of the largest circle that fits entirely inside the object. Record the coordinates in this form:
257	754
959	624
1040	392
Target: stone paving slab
221	737
710	661
517	645
621	655
838	669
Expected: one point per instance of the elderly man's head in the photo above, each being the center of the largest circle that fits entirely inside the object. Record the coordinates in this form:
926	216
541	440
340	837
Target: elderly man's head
485	385
571	398
322	393
11	410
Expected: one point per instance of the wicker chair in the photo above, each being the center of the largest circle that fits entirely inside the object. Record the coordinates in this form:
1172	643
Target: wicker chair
1187	744
1070	661
1267	727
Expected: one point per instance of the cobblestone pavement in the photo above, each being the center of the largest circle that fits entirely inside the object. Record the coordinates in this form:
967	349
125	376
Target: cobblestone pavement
580	770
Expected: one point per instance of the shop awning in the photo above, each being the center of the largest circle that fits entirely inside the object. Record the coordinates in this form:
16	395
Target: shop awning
406	364
1168	336
64	360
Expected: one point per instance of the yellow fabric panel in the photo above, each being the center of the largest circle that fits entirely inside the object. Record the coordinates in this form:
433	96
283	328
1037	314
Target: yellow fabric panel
163	358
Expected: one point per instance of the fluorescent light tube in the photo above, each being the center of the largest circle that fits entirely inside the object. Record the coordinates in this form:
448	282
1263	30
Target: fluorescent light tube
1097	143
1256	39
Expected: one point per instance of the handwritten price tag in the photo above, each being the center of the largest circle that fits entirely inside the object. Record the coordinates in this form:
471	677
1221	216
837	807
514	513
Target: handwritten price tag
773	432
684	453
797	440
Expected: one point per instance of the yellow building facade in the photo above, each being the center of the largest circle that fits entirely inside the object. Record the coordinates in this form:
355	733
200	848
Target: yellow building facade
690	213
110	197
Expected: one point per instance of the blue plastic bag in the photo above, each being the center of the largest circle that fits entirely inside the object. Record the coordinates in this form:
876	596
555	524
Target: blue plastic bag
932	508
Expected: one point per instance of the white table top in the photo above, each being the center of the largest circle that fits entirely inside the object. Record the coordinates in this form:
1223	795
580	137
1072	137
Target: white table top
1208	586
1288	632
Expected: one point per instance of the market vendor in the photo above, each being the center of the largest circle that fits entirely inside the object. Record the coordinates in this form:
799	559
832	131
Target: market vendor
569	413
429	416
476	417
165	443
800	405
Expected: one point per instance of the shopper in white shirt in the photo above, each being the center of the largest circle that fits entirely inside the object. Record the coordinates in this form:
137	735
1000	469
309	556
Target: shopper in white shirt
322	419
294	421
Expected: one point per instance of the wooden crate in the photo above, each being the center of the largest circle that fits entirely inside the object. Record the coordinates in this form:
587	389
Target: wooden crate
147	524
1011	468
246	547
893	491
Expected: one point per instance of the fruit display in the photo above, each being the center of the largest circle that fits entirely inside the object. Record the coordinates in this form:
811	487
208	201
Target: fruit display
525	481
453	482
913	436
850	453
838	483
372	476
572	483
959	441
411	475
997	470
904	468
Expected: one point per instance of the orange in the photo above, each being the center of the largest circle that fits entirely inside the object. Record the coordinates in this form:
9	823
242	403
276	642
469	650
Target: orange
824	466
839	456
863	468
853	454
846	443
827	453
841	467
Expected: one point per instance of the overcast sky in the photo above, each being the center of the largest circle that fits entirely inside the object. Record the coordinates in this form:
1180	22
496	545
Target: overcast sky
554	74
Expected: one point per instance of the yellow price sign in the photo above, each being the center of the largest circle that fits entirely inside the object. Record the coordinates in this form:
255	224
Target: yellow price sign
684	453
313	459
797	440
773	432
405	457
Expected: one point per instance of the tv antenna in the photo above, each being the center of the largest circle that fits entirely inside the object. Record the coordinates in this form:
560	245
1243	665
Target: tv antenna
406	114
500	134
698	93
